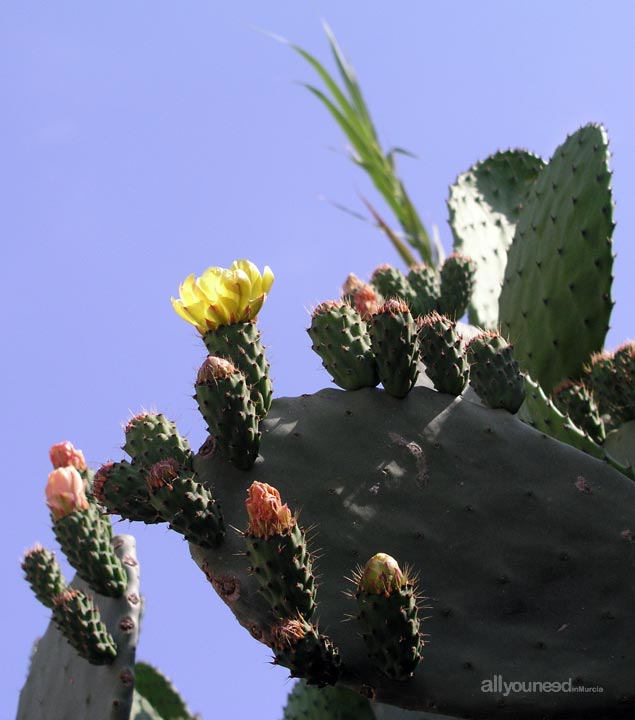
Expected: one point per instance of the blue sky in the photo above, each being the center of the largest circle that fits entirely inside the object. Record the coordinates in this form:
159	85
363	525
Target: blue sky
142	141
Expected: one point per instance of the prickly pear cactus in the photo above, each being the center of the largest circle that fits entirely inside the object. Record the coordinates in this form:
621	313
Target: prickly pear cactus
61	685
435	483
514	533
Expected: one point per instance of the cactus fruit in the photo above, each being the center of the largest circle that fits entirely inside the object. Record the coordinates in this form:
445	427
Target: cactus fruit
457	283
484	204
298	646
80	622
575	400
187	505
426	285
278	555
224	400
388	615
494	372
556	298
43	574
391	283
442	353
307	702
340	337
393	336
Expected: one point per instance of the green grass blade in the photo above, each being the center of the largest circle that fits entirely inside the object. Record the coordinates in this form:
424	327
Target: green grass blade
348	76
399	246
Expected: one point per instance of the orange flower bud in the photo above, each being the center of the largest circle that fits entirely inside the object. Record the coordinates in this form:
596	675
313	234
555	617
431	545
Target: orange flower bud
267	515
65	455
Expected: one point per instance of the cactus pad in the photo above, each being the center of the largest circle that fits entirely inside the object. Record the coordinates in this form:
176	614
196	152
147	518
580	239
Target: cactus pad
151	437
434	479
442	353
307	702
556	298
299	646
484	206
426	285
70	687
391	284
225	402
457	284
43	574
85	537
340	337
394	342
494	372
122	490
241	344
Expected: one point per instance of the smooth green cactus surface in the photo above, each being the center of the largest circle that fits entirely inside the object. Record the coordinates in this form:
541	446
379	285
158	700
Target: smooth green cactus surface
525	571
306	702
159	694
485	203
63	686
555	302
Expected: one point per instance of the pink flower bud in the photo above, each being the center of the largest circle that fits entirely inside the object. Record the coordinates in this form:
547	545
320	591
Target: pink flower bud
65	455
65	492
267	515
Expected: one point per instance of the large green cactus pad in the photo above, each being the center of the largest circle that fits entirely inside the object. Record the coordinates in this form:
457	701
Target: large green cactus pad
555	302
527	574
63	686
160	693
484	206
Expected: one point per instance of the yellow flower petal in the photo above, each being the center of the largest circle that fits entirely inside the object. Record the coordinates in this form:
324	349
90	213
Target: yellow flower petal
267	279
183	312
223	296
186	290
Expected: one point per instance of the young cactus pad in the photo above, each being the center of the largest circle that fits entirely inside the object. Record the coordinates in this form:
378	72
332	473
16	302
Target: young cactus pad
555	303
433	480
484	206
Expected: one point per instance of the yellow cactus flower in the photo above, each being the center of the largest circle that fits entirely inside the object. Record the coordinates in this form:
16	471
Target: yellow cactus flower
223	296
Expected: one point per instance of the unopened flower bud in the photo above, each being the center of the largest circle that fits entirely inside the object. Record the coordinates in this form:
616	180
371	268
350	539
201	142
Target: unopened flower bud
267	515
65	455
381	575
213	369
65	492
366	302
